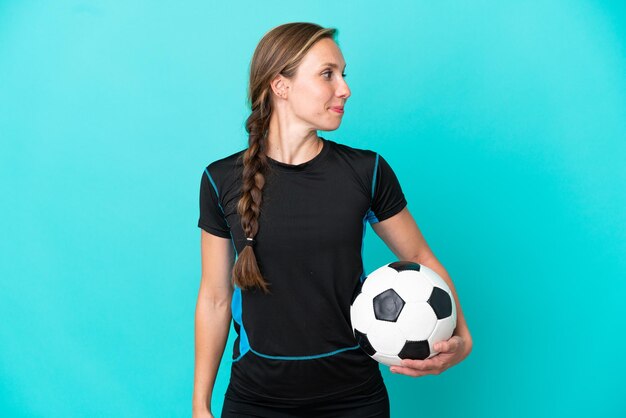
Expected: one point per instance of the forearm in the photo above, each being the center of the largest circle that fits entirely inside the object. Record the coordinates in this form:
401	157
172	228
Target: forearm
212	324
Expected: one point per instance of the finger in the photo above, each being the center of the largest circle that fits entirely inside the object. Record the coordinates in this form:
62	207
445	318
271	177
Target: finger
413	372
407	371
413	364
449	346
434	364
445	346
421	365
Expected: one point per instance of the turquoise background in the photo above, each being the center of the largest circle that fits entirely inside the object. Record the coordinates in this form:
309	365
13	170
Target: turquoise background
504	121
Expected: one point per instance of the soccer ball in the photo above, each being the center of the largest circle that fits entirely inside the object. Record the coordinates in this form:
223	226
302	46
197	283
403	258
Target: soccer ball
400	311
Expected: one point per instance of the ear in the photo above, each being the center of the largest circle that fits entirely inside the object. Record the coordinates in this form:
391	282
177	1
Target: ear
280	86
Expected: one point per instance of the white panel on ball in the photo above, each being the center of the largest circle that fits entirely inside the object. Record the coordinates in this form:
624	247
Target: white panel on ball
417	321
411	290
388	360
434	277
361	313
385	279
386	338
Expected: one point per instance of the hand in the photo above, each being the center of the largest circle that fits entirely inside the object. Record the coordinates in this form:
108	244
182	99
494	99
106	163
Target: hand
450	353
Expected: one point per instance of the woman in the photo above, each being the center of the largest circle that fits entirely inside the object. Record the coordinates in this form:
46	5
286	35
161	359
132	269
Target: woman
293	208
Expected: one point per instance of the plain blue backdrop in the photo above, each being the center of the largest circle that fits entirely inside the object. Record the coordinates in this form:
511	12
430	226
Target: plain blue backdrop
504	121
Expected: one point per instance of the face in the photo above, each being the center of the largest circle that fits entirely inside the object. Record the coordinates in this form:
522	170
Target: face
317	88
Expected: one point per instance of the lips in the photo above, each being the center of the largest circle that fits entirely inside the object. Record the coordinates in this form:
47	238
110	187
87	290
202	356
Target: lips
337	109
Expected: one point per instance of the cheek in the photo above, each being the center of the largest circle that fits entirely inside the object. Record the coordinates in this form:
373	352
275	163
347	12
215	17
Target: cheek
314	96
311	104
312	99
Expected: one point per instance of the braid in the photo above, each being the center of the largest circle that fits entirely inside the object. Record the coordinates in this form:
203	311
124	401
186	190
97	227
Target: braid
279	52
246	273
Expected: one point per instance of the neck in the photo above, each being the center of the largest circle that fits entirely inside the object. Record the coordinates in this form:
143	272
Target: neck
293	150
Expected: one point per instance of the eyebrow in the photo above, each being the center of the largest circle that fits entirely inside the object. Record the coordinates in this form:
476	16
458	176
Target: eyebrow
333	65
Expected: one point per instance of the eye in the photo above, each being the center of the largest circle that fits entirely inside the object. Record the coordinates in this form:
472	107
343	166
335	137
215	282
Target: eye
330	72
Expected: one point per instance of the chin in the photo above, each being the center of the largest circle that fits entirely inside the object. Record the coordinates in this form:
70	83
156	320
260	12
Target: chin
329	127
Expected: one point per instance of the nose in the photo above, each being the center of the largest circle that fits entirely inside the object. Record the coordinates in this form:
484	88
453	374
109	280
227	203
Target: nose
343	90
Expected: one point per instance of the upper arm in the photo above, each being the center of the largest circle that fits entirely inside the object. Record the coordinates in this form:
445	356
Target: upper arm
217	250
217	256
403	237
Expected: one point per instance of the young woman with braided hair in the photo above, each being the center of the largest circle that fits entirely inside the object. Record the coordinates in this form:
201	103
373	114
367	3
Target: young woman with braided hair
283	223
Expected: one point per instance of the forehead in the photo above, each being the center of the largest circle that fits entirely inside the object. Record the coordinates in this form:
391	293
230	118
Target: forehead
324	52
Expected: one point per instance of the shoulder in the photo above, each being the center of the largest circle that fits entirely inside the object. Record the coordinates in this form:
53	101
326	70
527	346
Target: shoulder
226	166
355	156
360	160
369	159
225	172
359	164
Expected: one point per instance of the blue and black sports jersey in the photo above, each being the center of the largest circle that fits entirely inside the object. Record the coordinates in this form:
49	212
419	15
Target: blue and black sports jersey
296	343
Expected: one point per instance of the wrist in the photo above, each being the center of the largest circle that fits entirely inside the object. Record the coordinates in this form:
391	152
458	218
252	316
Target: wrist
201	405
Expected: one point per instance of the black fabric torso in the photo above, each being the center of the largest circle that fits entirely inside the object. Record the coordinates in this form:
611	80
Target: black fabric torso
296	344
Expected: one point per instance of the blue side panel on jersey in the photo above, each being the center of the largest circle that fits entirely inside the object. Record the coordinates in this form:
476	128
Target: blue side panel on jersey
362	242
374	176
370	216
244	345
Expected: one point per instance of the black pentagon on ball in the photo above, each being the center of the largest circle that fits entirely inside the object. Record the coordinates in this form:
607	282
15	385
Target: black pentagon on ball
441	303
416	350
388	305
404	265
364	343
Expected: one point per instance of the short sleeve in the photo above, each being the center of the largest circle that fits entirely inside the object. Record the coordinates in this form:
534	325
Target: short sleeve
388	198
211	214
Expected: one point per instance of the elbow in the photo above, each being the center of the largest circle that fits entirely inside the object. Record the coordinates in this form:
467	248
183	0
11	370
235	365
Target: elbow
221	303
216	299
468	343
469	346
424	259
